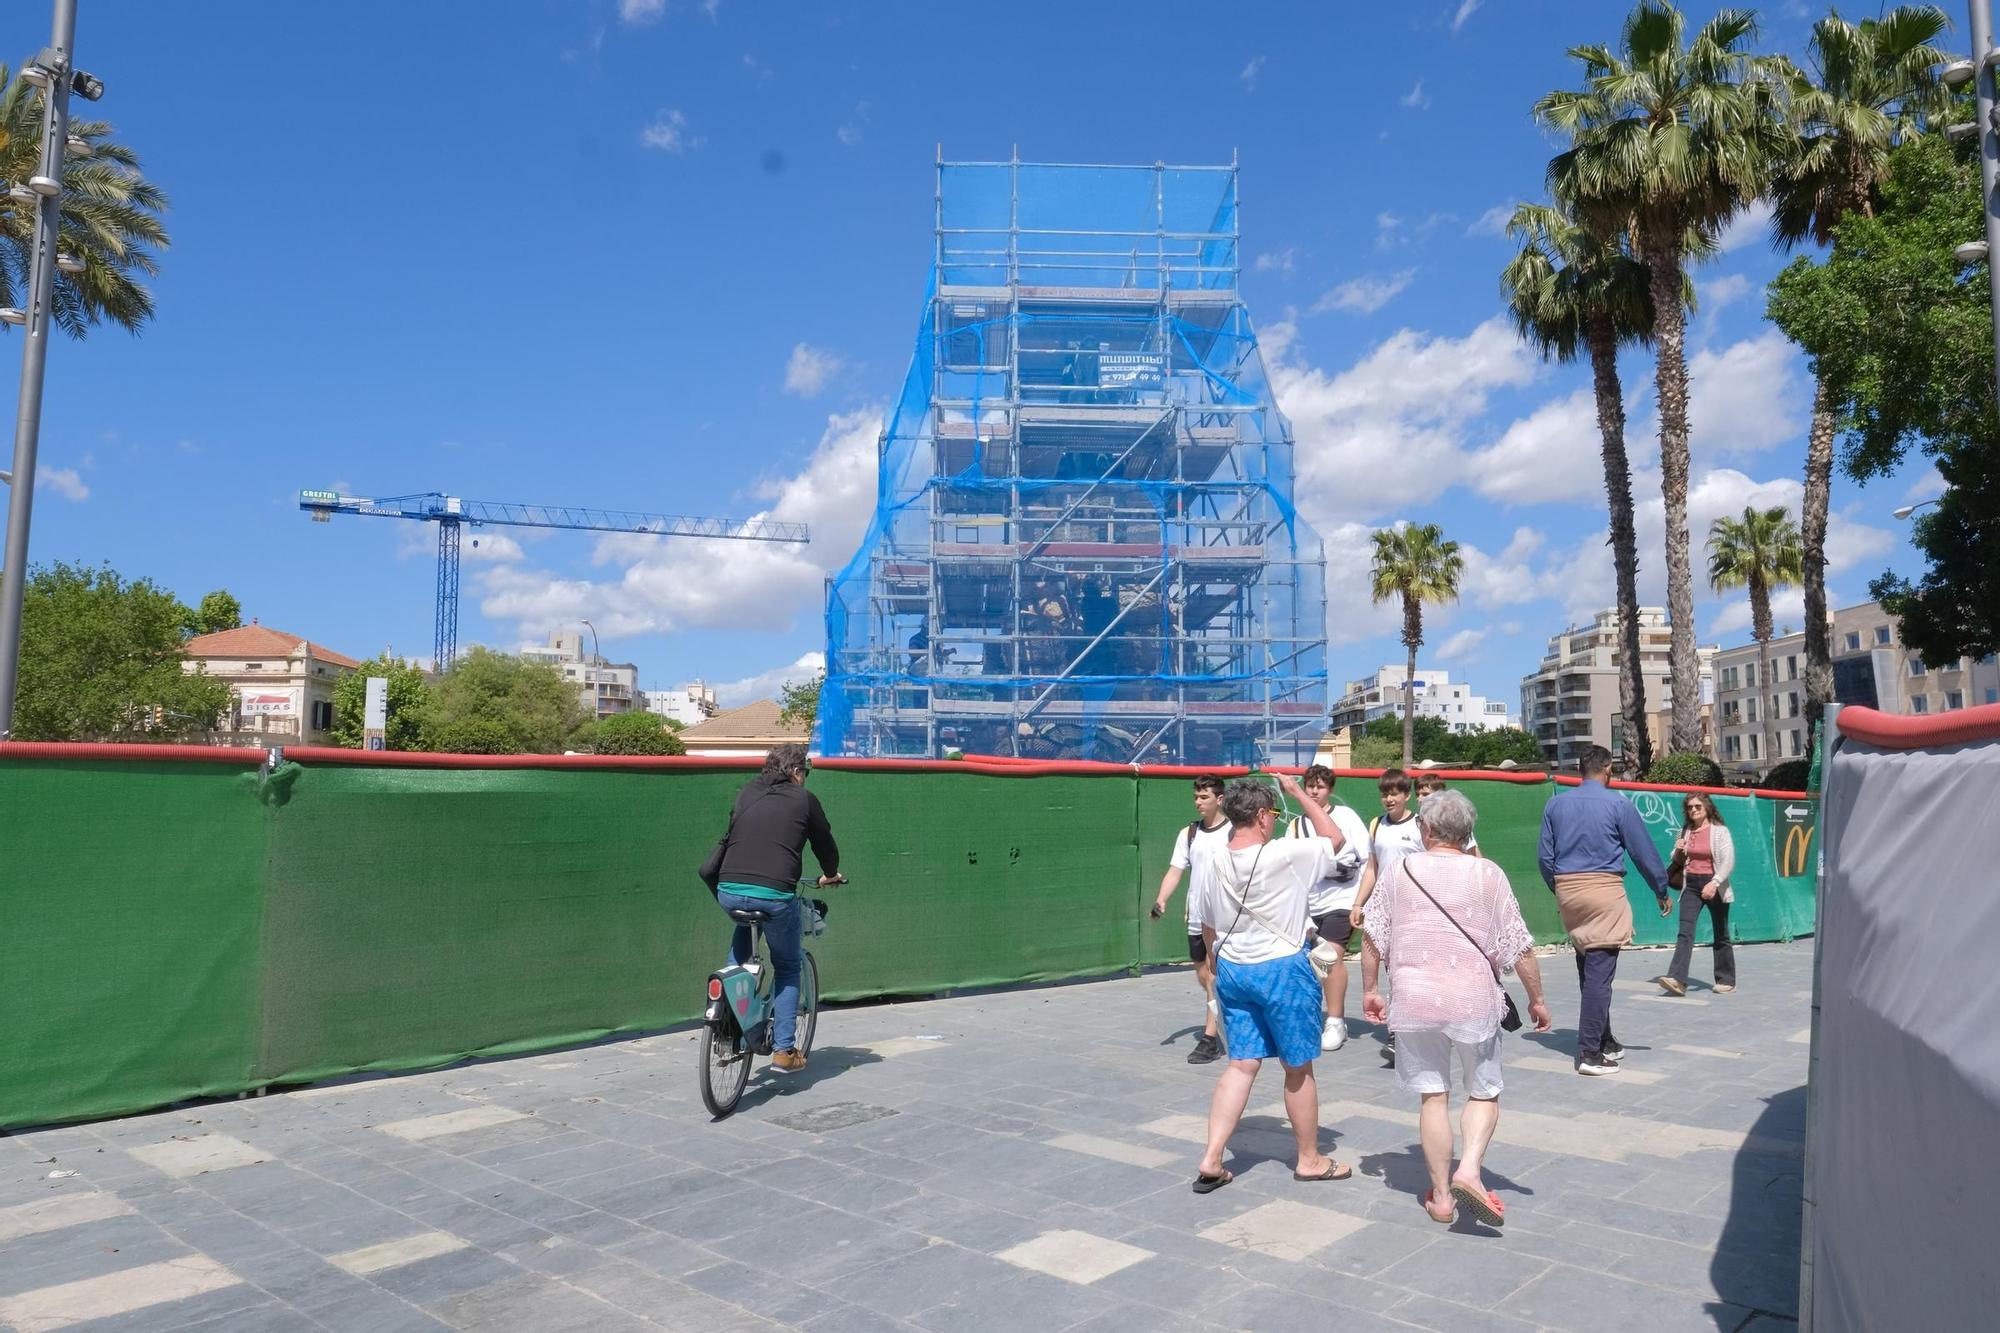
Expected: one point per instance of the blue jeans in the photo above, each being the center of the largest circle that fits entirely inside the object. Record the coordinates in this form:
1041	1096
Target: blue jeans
781	934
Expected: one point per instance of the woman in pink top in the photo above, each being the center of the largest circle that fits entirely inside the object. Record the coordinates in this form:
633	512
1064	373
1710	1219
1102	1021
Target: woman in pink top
1447	925
1711	857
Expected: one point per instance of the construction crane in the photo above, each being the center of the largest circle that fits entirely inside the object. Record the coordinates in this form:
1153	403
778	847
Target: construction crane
451	514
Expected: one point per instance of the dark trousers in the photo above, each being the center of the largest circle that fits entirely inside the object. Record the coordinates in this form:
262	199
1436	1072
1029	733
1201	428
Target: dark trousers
1595	969
1718	918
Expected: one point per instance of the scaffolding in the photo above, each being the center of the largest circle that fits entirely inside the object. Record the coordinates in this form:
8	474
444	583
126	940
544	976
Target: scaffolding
1084	544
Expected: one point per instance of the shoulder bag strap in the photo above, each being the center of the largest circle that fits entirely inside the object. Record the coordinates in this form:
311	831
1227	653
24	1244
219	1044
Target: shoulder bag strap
1491	965
1243	907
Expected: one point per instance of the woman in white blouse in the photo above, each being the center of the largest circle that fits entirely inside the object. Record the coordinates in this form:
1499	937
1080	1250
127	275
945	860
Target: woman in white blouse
1708	856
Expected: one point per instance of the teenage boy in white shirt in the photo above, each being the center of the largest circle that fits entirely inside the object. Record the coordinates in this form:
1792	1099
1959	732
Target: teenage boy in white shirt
1391	836
1333	900
1209	828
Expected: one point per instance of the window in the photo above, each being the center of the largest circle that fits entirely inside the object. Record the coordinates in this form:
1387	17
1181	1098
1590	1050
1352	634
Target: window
1792	667
253	666
1954	700
1881	636
1920	704
1729	678
1731	747
1794	697
1992	695
1854	643
1753	745
1796	743
1916	666
1750	709
322	715
1750	675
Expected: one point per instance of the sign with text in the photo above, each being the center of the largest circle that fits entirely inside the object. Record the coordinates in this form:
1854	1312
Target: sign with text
1131	370
266	703
375	714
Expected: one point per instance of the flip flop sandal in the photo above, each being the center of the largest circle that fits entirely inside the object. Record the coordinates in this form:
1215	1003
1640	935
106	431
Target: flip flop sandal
1485	1204
1207	1184
1430	1213
1334	1171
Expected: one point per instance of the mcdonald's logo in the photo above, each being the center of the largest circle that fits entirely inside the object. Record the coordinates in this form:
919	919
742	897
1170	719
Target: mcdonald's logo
1794	849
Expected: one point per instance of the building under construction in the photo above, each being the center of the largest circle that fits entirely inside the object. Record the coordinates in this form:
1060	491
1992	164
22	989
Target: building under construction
1084	544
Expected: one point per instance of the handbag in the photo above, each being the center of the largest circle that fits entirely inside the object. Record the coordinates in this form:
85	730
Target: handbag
1510	1017
1677	869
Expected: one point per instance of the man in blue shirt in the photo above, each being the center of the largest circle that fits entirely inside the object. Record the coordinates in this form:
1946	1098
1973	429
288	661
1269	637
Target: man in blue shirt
1587	832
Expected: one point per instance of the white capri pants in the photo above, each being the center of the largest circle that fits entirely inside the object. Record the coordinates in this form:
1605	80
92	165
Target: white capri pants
1423	1063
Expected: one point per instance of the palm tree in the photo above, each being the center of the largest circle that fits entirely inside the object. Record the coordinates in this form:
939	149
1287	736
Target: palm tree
1871	86
1761	552
1669	139
1416	563
1575	290
110	218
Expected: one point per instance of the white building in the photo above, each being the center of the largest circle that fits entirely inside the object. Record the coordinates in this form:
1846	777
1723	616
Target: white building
281	685
690	705
1438	695
603	687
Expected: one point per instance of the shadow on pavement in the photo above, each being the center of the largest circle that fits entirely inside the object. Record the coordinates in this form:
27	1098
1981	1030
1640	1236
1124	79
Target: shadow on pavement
824	1064
1405	1173
1756	1264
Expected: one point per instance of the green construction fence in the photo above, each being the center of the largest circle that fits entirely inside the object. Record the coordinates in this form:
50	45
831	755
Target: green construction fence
183	922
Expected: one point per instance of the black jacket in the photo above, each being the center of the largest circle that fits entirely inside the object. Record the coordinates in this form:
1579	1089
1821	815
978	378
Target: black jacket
774	819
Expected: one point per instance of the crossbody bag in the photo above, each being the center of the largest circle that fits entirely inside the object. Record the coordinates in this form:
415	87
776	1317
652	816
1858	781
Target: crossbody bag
1510	1018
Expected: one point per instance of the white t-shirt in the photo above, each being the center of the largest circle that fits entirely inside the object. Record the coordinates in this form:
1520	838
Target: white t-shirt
1280	877
1335	892
1182	859
1390	843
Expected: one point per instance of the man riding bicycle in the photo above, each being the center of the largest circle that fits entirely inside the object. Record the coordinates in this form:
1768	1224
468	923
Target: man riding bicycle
774	818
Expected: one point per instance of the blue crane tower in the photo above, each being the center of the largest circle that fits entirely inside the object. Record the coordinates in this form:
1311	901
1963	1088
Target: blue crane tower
451	514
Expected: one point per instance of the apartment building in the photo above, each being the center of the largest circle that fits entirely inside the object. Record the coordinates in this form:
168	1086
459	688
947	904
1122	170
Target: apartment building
604	688
1571	702
690	705
1437	695
1761	720
281	685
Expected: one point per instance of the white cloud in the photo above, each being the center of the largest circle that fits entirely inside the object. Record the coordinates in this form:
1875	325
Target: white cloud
1788	607
1460	646
1466	9
1281	260
641	12
766	684
757	69
1352	614
1365	295
1746	398
1507	579
489	547
1717	294
1553	453
1388	431
1248	78
669	133
850	133
1493	222
669	582
63	481
1416	99
1929	486
1752	224
809	369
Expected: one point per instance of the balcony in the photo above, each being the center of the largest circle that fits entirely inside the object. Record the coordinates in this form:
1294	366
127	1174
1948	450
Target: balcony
1572	686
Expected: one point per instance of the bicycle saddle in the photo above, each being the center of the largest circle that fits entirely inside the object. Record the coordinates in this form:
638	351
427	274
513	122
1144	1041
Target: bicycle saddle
747	917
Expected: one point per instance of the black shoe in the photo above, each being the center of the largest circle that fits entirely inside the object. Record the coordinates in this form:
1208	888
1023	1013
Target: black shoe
1594	1063
1612	1050
1206	1050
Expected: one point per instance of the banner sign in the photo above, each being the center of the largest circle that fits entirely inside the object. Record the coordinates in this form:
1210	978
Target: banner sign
1792	829
1132	370
264	704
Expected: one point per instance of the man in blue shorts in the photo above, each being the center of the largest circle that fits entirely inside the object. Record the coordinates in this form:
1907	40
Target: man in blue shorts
1258	889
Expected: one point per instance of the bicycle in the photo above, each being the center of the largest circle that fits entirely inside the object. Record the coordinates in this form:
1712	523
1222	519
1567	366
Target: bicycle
736	1025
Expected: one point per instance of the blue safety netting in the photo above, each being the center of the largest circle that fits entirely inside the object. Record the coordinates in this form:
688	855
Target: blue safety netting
1084	542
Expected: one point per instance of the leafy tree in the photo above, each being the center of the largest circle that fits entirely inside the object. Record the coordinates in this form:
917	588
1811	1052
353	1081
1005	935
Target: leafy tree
1377	752
409	704
1760	552
636	732
218	611
1576	289
798	705
102	658
1430	738
1685	770
1901	340
1414	562
110	218
1872	86
1493	748
492	699
1792	775
1669	139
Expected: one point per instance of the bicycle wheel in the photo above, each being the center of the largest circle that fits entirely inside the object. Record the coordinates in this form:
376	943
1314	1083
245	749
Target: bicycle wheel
808	1004
725	1070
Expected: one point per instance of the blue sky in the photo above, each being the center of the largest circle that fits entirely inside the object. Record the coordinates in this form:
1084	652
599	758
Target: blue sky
670	257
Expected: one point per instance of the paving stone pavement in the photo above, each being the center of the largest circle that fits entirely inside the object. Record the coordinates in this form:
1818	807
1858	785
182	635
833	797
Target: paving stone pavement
1017	1160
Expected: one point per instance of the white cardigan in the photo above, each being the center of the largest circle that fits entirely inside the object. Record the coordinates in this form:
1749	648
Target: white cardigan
1721	850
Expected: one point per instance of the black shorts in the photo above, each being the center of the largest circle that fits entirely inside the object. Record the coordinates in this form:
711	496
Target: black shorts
1197	949
1335	926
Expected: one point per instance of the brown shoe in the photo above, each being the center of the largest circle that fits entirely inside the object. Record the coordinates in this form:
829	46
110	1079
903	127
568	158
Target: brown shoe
788	1062
1672	987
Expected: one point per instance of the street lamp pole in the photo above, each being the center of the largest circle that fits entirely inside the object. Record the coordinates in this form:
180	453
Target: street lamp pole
1989	159
58	65
596	660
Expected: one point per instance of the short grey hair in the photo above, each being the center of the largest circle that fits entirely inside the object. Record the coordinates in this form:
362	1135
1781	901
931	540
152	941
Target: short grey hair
1447	817
1244	799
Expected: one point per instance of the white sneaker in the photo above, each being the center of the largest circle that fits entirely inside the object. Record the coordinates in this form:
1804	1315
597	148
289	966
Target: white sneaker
1334	1035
